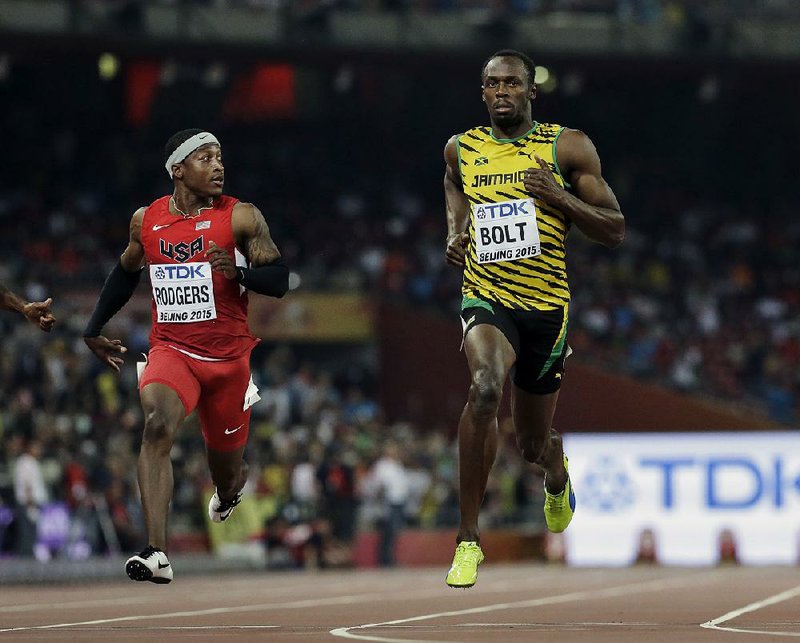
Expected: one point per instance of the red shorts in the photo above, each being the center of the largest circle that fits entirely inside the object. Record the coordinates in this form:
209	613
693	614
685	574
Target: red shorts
217	389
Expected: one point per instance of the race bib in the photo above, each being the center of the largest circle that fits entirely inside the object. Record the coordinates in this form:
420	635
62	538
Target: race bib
183	292
506	230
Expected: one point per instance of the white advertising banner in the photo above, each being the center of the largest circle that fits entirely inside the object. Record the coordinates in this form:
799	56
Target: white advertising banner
687	488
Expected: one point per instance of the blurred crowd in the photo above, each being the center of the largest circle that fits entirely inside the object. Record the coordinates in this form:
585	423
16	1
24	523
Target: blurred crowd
705	300
703	295
647	10
706	25
321	455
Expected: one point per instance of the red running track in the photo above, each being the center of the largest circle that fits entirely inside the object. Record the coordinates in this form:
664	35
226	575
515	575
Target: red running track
509	603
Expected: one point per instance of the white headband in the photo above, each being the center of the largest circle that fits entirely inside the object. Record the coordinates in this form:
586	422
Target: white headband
187	147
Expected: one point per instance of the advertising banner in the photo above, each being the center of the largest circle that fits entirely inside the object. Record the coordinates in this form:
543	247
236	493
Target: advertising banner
684	492
313	317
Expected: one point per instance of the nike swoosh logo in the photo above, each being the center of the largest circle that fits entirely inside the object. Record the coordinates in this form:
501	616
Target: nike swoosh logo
160	566
203	136
158	227
229	431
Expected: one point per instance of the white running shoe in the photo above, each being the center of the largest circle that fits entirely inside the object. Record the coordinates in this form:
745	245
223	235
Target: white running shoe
151	564
220	511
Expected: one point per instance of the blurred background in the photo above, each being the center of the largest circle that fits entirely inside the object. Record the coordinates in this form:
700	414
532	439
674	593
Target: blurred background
333	116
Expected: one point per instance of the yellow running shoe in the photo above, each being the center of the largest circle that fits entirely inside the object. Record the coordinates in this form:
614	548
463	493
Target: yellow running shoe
464	570
559	508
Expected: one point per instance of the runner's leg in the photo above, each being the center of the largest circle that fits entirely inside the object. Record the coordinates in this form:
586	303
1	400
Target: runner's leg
490	356
163	413
538	442
228	471
225	424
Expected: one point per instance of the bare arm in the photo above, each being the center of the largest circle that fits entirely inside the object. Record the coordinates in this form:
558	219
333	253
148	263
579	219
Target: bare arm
268	275
37	312
457	206
132	258
252	235
593	208
251	232
10	301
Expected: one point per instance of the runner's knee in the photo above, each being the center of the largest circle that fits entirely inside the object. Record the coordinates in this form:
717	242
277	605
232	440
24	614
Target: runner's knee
158	431
485	393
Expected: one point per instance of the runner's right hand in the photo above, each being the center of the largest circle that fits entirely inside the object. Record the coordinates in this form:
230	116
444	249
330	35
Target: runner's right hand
457	249
40	314
107	350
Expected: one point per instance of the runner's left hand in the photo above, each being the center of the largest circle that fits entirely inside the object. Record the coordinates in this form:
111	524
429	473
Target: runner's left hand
221	260
540	182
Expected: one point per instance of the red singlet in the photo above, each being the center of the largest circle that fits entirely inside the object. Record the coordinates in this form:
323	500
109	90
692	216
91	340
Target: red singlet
195	309
200	343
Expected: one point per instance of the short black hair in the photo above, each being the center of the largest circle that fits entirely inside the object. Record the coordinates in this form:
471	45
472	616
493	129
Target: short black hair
530	68
176	139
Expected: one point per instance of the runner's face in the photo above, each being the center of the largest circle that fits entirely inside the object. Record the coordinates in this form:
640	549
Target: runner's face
506	92
203	171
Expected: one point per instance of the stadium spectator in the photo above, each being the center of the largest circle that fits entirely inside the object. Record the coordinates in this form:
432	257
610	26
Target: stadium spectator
388	483
31	494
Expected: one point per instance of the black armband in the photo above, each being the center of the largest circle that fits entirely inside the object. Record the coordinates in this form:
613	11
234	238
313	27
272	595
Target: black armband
116	292
271	280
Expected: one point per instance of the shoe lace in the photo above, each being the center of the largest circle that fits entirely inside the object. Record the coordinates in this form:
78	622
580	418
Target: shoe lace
225	505
149	551
469	552
556	502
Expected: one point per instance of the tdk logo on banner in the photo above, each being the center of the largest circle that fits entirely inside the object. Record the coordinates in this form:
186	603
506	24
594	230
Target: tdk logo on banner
755	482
607	487
505	209
180	272
726	483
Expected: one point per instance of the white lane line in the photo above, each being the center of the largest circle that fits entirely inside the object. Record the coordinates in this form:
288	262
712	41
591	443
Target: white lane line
741	630
156	628
610	592
298	604
336	600
531	626
490	587
714	624
99	602
549	625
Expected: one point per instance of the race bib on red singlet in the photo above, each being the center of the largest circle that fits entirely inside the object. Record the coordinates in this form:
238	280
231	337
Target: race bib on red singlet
506	230
183	292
